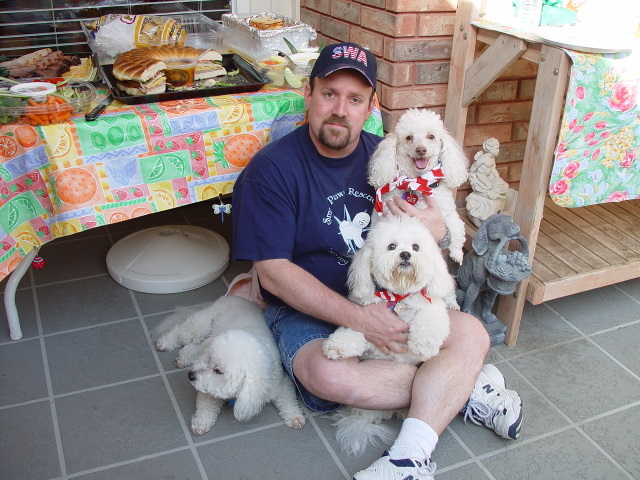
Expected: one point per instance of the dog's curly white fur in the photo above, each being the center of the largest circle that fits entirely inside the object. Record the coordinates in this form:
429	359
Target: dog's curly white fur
232	355
417	144
400	256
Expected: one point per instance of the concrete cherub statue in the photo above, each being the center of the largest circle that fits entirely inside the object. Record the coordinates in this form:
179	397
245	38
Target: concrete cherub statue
491	194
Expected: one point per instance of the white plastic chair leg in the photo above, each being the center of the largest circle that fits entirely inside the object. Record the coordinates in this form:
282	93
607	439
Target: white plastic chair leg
10	294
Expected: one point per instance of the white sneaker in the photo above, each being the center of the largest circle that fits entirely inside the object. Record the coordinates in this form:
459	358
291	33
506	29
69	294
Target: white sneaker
493	405
406	469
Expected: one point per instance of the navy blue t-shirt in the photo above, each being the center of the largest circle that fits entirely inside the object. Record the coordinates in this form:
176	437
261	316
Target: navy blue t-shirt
292	203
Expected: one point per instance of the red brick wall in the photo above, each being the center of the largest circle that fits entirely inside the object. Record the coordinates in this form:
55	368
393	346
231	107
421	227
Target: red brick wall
412	40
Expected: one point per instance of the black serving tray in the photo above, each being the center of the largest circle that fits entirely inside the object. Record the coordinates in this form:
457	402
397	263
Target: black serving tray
251	81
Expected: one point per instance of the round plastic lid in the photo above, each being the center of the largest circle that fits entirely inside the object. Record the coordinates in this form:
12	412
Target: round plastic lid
168	259
37	90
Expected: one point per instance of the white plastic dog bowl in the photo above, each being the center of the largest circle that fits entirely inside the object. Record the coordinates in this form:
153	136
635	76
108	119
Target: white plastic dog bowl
168	259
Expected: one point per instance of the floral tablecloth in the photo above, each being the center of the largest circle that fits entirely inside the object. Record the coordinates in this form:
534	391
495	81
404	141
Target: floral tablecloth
599	138
133	160
596	159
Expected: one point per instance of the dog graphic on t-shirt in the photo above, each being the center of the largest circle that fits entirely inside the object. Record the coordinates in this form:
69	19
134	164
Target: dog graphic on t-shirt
351	230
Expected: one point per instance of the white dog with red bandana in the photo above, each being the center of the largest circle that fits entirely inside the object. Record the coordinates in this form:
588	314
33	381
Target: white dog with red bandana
400	264
421	157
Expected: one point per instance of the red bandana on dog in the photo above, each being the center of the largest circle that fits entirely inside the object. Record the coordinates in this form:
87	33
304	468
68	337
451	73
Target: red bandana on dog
420	184
393	298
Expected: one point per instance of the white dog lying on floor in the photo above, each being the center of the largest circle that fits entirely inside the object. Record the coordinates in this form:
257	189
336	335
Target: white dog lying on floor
232	355
400	264
420	156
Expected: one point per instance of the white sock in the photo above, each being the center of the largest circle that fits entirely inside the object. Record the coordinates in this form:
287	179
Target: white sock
416	440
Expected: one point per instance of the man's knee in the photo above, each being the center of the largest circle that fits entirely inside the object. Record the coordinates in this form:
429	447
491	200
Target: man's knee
468	331
327	379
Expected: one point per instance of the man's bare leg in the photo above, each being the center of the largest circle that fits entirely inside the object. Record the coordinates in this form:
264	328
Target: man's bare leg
435	392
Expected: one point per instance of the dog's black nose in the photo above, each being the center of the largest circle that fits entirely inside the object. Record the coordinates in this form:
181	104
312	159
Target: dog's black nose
192	376
405	256
421	151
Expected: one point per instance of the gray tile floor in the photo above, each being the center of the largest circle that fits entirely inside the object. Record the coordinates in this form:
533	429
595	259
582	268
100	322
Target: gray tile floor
85	395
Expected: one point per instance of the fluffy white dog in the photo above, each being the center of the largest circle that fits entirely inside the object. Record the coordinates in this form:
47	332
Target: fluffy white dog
400	264
420	156
232	355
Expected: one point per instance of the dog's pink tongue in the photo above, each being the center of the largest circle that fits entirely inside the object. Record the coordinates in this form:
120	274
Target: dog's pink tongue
421	163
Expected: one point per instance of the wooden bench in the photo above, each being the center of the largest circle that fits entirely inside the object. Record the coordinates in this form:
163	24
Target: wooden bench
572	249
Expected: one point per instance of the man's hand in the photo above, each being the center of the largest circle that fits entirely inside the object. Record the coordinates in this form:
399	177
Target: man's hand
384	329
430	216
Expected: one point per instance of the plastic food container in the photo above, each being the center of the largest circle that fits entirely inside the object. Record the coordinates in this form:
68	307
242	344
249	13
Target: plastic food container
291	72
79	94
252	43
303	62
201	32
43	108
180	74
36	90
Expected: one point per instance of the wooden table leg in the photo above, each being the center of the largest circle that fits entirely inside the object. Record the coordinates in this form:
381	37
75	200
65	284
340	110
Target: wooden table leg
548	101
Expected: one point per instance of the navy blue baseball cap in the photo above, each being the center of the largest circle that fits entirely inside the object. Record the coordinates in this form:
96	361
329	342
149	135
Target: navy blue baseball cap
346	55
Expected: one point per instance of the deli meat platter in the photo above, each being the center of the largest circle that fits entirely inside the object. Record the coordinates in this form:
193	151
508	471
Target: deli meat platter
247	80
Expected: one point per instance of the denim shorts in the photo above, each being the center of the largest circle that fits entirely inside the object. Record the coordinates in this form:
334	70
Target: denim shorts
292	330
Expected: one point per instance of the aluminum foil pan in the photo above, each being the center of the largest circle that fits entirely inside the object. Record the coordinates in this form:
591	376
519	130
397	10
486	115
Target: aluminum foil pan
255	41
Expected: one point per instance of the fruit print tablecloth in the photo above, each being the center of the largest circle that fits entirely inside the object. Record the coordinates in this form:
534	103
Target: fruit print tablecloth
133	160
596	159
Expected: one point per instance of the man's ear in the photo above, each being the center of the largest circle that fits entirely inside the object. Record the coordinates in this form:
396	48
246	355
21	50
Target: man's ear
372	102
307	94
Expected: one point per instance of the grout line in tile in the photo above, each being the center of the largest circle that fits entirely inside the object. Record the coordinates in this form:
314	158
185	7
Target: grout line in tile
512	446
625	293
23	404
90	327
231	436
541	349
604	452
326	444
47	375
541	394
106	385
132	461
589	338
473	458
523	443
62	282
174	402
572	424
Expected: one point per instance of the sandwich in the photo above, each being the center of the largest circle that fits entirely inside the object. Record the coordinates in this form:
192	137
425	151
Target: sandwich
208	67
156	83
150	70
266	22
140	78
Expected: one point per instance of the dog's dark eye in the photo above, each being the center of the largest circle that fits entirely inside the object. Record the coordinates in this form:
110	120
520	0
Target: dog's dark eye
217	371
409	138
391	246
415	247
431	137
